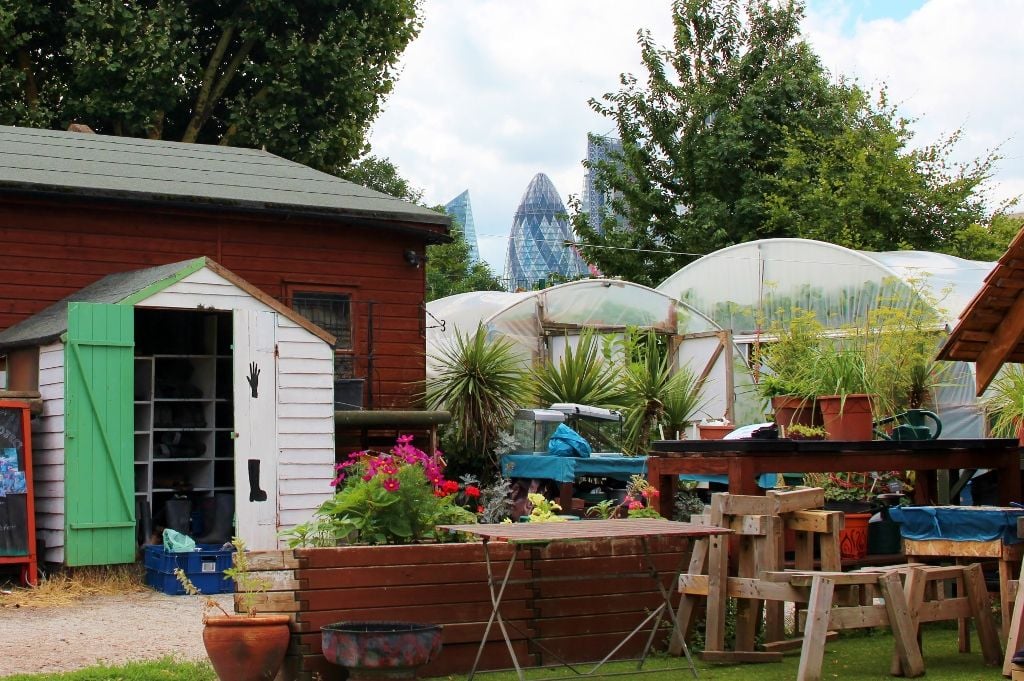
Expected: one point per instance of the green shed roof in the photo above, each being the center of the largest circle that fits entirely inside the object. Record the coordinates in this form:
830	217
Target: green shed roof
102	166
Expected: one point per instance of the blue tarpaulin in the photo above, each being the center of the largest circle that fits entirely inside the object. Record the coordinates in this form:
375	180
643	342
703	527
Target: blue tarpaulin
567	442
958	523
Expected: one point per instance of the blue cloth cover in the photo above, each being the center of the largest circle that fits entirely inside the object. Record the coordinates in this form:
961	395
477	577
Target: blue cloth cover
568	468
957	523
567	442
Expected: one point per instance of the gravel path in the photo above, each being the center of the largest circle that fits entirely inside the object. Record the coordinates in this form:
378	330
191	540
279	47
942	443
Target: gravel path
102	630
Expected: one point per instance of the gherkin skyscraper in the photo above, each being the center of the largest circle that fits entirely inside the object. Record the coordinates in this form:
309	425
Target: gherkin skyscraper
536	246
461	209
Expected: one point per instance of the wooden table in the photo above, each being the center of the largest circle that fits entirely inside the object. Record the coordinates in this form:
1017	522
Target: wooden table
522	535
743	460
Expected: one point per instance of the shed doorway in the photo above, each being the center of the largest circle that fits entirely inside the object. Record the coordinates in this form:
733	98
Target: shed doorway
184	423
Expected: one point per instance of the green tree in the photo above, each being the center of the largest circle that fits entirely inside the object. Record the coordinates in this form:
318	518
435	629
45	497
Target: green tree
739	133
988	241
381	174
302	79
451	270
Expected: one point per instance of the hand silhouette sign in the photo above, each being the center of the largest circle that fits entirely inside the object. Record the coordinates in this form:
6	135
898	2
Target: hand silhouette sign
253	378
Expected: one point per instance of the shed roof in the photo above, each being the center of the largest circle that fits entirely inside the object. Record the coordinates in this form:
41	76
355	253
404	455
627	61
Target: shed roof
990	330
127	168
128	288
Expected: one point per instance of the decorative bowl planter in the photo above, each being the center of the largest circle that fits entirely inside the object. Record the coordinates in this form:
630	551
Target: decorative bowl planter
380	650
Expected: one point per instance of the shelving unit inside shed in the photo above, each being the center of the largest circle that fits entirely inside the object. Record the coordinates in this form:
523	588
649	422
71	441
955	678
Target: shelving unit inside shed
184	411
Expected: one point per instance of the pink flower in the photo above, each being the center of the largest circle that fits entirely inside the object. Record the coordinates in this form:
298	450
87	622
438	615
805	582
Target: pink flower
389	468
337	481
634	505
391	484
479	509
406	439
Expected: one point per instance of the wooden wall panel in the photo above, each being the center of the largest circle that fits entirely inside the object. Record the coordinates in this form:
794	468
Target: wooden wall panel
56	248
578	620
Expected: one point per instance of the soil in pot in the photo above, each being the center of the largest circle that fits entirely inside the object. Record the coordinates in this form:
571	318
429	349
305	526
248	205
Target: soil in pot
246	648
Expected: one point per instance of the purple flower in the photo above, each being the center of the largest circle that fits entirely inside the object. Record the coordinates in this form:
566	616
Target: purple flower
391	484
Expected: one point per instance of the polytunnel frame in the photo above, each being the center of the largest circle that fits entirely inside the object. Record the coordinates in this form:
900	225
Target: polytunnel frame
546	327
961	408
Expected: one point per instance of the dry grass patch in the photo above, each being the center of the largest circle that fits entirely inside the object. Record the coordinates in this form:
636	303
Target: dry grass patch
67	586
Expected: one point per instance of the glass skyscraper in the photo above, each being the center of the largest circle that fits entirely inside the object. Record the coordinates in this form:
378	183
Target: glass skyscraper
536	247
595	200
461	209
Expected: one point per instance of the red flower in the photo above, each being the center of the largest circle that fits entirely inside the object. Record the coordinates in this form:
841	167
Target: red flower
472	491
479	509
391	484
450	487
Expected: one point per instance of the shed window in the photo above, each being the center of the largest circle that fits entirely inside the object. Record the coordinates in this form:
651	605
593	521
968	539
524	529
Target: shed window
332	312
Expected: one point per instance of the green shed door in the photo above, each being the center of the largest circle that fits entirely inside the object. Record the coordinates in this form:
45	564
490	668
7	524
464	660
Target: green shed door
99	482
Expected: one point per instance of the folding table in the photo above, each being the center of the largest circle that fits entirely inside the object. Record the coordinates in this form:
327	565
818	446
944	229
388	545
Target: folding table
521	535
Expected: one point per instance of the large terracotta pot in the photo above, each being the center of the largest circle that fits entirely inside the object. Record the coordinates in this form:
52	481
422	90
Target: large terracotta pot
848	419
791	410
246	648
711	432
380	650
853	538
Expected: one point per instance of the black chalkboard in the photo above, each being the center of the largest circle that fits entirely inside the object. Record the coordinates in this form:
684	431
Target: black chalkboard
13	491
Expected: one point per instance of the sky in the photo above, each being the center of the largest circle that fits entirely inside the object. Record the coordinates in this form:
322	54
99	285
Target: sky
493	92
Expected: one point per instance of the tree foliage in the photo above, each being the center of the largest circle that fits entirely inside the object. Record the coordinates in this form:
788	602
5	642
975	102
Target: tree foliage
739	133
302	79
451	269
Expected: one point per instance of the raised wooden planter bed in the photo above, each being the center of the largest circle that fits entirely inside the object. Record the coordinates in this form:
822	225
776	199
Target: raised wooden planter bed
579	620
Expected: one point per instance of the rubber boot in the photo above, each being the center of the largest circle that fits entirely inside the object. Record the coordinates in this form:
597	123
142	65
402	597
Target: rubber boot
219	530
143	523
178	514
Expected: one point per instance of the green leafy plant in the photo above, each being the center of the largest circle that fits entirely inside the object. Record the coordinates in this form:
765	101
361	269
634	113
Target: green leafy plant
582	375
604	510
799	431
1004	401
396	497
544	510
248	586
639	493
481	382
783	365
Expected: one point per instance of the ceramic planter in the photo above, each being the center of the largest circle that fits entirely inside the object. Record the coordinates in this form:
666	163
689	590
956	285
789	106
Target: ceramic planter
711	432
246	648
380	650
848	418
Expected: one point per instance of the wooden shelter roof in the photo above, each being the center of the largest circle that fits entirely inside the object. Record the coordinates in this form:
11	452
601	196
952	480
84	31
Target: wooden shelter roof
990	330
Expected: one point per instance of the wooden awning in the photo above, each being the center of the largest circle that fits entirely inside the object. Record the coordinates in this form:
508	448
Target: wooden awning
990	331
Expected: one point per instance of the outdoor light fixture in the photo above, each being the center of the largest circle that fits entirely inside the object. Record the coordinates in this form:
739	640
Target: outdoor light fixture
414	258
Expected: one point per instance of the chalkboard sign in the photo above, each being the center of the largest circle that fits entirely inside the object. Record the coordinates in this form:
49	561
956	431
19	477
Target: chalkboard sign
13	486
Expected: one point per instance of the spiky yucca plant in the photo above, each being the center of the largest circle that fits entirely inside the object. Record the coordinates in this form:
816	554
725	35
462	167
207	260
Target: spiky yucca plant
481	382
582	375
1004	401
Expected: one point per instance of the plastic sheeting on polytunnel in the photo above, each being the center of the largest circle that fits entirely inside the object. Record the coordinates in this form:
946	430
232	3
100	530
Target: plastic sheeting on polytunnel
751	286
538	322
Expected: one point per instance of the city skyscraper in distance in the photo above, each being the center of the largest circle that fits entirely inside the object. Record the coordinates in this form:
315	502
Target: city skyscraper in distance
536	246
461	209
596	201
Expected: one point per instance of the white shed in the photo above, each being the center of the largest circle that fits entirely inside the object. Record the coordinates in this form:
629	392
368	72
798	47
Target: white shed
175	383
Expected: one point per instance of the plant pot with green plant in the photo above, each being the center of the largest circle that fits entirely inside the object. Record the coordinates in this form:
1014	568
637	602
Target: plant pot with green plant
799	431
246	646
783	367
844	392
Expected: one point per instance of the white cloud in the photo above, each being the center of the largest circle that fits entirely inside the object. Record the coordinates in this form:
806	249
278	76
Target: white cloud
495	91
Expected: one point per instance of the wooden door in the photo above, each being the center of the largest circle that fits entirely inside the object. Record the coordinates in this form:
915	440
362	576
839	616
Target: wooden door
256	451
99	483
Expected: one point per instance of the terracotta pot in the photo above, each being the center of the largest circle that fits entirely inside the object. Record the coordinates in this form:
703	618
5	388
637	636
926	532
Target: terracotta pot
848	419
790	410
246	648
714	432
380	650
853	538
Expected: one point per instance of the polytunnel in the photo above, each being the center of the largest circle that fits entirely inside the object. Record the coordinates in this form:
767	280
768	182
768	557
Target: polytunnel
748	287
540	323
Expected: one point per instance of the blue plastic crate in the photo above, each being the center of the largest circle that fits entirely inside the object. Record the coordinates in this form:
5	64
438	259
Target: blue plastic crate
206	558
207	583
205	567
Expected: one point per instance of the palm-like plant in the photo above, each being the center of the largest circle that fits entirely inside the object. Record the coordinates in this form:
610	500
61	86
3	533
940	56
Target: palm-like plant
582	375
482	383
648	383
1004	401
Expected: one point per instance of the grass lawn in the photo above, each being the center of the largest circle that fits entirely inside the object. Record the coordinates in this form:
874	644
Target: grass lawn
855	657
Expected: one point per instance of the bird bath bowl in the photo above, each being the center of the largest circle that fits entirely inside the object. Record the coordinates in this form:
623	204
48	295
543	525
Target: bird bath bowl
375	651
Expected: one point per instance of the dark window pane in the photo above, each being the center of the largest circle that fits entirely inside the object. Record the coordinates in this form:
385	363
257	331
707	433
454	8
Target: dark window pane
332	312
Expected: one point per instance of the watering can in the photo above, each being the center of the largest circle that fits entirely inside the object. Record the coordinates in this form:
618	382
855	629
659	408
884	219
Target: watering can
911	424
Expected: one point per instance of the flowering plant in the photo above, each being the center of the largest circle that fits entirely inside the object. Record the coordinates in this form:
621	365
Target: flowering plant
395	497
639	493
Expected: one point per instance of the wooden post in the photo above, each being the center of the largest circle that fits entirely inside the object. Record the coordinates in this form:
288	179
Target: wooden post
718	575
903	630
977	594
1015	638
813	650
